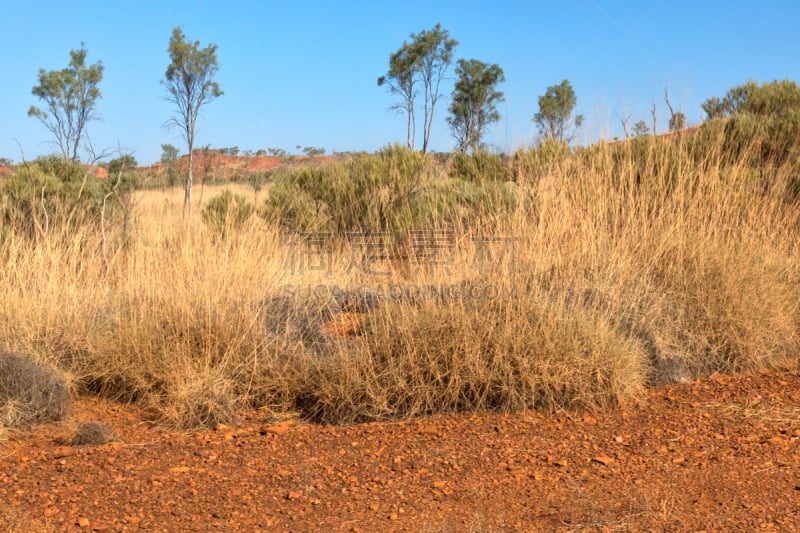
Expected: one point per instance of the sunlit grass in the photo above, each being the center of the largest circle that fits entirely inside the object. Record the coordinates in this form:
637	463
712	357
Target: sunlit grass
622	275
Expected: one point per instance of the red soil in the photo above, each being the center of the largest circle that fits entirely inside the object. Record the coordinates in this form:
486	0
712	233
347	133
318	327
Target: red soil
720	454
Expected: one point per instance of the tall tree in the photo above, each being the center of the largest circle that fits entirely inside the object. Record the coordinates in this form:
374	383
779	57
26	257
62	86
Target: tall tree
190	84
554	118
401	80
70	96
474	102
424	61
434	50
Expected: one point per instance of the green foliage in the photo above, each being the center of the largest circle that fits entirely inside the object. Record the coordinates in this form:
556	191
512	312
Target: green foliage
769	113
474	102
227	212
777	97
190	84
554	118
640	129
434	48
125	162
169	153
362	193
393	191
312	151
70	96
479	167
401	80
424	60
51	194
533	165
677	122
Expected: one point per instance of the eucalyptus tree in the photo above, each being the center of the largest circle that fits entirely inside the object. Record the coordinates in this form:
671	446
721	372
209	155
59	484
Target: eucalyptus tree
70	96
474	102
190	85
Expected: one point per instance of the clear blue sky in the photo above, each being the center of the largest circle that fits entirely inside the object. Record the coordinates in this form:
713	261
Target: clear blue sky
305	72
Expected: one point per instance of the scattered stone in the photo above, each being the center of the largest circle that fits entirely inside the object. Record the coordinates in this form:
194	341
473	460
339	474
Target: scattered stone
278	429
82	522
63	451
603	460
439	484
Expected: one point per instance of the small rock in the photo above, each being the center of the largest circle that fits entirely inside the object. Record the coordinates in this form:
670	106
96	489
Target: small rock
603	460
82	522
560	462
439	484
428	430
278	429
393	516
291	495
63	451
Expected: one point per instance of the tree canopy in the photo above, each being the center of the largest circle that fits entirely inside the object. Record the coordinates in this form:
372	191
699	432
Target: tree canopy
424	61
70	96
554	118
190	85
474	102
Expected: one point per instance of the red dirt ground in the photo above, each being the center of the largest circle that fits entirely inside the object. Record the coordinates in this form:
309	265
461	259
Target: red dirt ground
719	454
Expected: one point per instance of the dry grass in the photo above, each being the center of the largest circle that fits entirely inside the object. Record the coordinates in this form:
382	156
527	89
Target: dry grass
29	393
621	277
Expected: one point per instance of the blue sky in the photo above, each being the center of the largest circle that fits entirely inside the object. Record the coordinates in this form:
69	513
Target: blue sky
304	73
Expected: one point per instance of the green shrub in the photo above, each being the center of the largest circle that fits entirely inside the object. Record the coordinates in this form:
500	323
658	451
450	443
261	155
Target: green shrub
532	165
480	167
227	211
52	195
363	193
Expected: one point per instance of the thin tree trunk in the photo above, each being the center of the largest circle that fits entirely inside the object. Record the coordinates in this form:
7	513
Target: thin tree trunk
187	198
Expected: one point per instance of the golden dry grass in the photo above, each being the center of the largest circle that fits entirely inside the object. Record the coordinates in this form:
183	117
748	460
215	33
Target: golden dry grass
620	278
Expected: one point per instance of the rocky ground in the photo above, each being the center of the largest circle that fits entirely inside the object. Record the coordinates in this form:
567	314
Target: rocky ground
720	454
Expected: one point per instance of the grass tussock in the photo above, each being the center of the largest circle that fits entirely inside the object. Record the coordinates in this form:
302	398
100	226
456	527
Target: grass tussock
631	264
30	394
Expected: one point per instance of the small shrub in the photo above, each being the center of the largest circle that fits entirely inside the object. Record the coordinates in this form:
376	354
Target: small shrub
29	394
533	165
91	434
480	167
227	212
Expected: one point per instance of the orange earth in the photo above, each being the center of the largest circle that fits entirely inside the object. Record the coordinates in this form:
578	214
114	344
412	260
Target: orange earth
719	454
